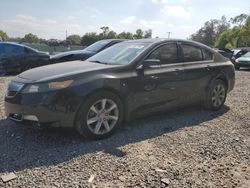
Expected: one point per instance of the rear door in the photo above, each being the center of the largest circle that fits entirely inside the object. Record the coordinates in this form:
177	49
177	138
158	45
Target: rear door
198	69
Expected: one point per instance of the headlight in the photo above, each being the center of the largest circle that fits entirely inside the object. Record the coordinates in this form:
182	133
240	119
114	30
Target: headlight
50	86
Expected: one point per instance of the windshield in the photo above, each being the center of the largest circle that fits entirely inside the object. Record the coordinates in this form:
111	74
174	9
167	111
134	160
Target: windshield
97	46
122	53
247	54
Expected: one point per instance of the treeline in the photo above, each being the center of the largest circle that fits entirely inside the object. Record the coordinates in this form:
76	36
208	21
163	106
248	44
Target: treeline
85	40
224	33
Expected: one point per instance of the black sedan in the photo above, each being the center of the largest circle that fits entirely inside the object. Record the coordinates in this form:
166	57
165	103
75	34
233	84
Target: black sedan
16	58
85	53
127	80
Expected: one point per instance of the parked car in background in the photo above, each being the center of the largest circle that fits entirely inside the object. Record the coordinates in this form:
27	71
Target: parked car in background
128	80
226	53
85	53
238	53
243	61
16	58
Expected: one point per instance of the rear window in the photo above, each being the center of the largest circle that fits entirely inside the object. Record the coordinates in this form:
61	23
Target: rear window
191	53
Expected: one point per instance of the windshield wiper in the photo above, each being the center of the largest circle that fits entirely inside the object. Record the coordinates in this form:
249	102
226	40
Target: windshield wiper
99	62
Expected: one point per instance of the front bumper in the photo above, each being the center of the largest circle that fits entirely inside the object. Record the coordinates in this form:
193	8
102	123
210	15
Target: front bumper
52	108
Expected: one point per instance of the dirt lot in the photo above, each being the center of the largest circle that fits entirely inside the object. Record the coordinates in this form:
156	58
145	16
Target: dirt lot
186	148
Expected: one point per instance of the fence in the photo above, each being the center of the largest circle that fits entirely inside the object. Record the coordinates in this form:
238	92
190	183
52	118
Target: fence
53	49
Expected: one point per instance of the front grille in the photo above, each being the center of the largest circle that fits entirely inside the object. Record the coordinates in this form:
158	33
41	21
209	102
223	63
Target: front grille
244	61
14	88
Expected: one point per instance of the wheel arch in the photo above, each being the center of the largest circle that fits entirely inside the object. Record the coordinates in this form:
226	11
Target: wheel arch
222	77
105	89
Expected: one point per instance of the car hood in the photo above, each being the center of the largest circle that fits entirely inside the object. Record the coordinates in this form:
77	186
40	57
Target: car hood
74	52
57	71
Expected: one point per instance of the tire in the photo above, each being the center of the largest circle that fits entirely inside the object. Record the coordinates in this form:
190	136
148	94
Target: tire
99	116
216	95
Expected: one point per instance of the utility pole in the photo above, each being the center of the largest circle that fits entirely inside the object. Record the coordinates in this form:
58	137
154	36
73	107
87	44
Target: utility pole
66	34
169	33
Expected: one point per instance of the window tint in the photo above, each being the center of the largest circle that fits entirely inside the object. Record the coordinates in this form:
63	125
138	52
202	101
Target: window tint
191	53
207	55
12	49
29	51
167	54
97	46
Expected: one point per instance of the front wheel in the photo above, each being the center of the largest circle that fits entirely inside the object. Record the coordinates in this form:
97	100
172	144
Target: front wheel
99	116
216	95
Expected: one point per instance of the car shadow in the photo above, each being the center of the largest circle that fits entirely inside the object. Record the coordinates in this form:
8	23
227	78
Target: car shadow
24	148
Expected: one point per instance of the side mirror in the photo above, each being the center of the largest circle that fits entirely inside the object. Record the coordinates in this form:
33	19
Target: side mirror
150	62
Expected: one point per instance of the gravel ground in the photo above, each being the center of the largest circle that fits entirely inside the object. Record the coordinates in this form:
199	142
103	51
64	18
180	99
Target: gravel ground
186	148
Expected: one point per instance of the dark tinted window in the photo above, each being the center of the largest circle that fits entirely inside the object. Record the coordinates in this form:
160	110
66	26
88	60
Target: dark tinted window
167	54
191	53
9	49
1	49
207	55
97	46
29	51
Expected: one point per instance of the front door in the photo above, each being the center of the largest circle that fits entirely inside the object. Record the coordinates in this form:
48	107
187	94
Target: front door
160	86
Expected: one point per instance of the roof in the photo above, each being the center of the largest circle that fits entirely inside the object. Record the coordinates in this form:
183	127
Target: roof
13	43
110	40
160	40
18	44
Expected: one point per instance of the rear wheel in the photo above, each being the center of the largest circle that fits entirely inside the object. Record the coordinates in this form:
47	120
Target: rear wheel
99	116
237	68
216	95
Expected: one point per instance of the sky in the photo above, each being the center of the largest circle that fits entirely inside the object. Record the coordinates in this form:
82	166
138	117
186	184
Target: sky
52	18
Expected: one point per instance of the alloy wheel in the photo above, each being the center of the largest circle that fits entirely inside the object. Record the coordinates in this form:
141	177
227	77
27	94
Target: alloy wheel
218	95
102	116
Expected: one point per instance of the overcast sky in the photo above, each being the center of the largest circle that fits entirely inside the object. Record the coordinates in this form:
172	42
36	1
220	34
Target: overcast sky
51	18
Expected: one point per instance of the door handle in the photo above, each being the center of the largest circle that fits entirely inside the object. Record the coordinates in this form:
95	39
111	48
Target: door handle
178	71
208	68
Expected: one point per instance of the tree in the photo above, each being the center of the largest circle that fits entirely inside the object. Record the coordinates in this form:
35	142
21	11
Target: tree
238	36
89	38
125	35
111	35
239	20
211	30
3	36
74	39
30	38
105	30
138	34
148	34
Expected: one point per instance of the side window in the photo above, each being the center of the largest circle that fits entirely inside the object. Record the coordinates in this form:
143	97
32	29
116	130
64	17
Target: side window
1	50
191	53
207	55
12	49
167	54
28	51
